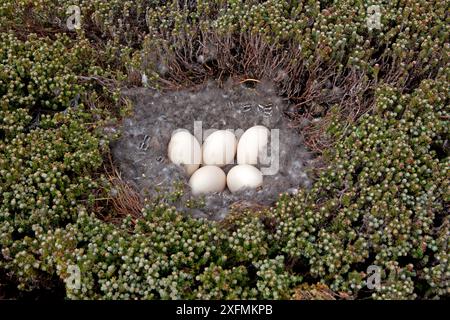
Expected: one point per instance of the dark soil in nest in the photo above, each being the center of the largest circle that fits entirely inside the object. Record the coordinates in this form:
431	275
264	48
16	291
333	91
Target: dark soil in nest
141	152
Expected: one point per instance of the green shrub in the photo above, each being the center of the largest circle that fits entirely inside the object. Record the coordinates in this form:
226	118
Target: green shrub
382	201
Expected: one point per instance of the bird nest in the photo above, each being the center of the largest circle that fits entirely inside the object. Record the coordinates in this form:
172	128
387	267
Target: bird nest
140	154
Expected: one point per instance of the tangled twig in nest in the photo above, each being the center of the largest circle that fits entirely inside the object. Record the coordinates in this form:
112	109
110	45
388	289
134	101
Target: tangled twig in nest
123	199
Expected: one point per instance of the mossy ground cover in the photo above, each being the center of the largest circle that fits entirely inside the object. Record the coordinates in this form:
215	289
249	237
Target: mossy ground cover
372	103
140	153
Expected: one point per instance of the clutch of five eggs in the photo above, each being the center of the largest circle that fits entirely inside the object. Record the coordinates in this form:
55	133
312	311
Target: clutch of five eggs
219	149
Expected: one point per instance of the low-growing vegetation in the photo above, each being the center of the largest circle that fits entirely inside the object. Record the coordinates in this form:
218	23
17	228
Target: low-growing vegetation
372	103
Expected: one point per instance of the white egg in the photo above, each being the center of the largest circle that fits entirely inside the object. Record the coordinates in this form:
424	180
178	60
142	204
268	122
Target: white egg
184	149
252	146
243	177
207	179
219	148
